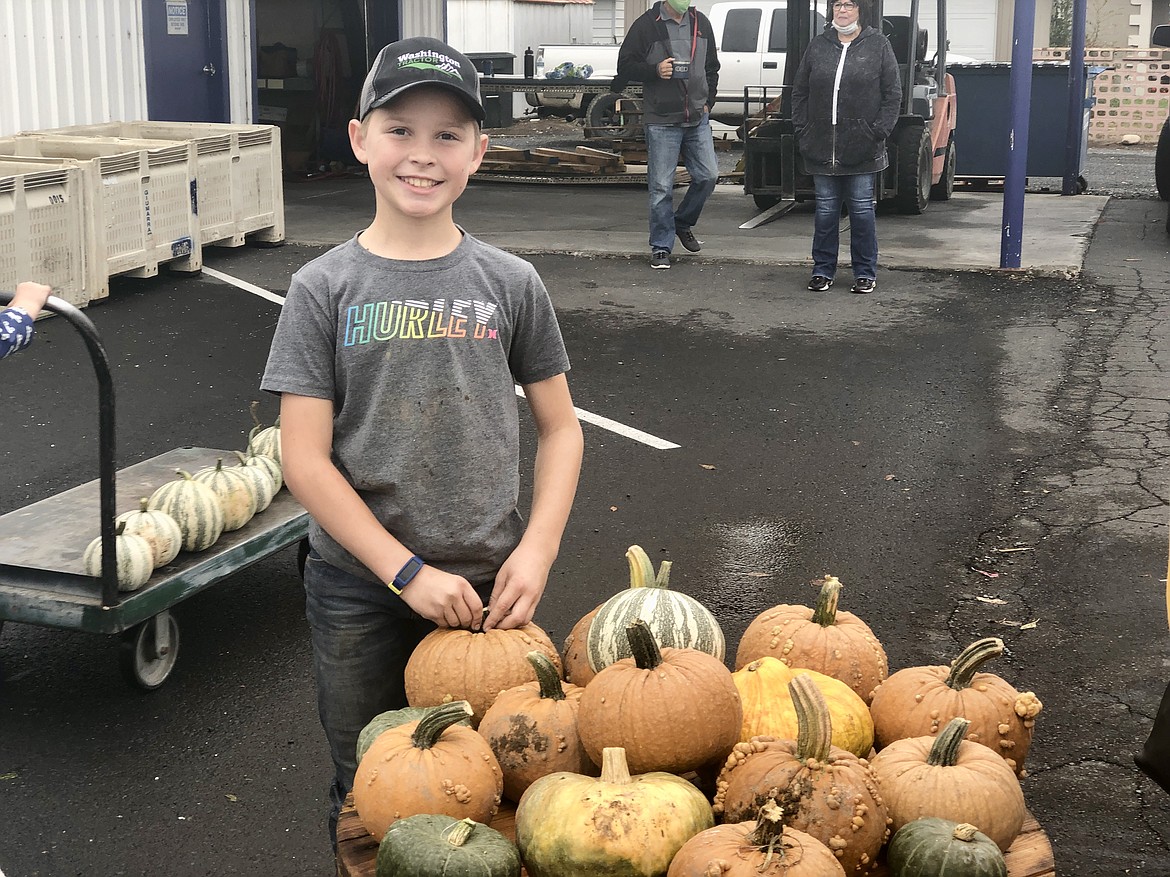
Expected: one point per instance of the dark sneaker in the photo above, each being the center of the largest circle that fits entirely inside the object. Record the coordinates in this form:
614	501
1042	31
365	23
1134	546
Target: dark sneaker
660	259
820	283
863	285
687	239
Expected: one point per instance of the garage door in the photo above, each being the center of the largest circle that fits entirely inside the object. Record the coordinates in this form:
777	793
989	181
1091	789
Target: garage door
970	27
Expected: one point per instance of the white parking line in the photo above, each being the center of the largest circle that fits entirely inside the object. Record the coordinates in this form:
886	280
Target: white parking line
613	426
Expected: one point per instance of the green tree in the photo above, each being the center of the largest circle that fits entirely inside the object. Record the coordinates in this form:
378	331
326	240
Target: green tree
1060	26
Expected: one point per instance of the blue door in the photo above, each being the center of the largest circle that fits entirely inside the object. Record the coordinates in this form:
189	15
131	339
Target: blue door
186	60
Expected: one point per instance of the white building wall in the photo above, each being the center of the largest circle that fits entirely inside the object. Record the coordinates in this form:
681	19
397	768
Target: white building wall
423	18
609	22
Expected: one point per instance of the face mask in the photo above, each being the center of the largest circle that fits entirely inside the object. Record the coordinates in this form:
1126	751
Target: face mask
852	28
679	6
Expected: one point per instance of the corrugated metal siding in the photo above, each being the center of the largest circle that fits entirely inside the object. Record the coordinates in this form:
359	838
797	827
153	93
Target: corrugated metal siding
609	22
483	26
70	62
423	18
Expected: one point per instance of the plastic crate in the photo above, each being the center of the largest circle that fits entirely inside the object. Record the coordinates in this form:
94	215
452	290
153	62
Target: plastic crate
239	180
141	197
43	237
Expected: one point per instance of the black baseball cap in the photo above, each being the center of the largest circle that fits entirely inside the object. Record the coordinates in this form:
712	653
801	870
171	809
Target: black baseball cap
418	61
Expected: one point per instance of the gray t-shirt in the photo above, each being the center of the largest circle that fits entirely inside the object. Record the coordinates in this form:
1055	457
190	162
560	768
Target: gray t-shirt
420	360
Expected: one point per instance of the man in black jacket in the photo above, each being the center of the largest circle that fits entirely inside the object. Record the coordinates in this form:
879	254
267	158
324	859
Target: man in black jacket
670	49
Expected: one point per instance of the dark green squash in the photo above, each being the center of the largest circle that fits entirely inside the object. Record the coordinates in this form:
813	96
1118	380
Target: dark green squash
392	719
441	846
933	847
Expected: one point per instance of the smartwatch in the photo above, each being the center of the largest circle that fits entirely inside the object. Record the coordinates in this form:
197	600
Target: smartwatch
406	575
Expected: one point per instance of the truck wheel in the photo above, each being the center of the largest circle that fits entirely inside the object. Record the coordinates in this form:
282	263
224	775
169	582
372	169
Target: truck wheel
945	187
765	202
603	114
1162	163
914	158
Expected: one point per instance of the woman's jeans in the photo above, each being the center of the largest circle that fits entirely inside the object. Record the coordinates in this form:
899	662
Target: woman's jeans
856	191
665	144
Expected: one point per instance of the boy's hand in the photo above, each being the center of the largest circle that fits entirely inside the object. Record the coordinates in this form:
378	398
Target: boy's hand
31	297
447	600
519	587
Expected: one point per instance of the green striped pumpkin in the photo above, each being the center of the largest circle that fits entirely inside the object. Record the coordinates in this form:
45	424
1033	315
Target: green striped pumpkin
265	464
235	490
676	620
263	487
157	528
195	508
265	441
135	559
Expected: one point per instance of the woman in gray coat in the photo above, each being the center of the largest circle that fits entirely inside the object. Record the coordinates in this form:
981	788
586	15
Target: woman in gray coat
845	103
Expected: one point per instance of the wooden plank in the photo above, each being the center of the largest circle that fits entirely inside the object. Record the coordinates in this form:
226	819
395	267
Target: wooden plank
596	157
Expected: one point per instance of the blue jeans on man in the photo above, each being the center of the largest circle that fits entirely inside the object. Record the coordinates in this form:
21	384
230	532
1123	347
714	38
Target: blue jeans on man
665	146
856	192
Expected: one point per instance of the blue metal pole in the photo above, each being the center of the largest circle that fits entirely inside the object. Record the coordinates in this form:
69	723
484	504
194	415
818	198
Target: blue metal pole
1019	107
1075	133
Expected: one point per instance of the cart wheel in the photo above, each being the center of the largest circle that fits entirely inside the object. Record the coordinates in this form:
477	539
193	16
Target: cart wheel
149	651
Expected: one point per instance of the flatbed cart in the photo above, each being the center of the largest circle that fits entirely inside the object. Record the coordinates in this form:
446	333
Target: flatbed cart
42	577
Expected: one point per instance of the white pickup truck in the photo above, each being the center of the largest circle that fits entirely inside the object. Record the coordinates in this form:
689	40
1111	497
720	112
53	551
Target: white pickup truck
752	38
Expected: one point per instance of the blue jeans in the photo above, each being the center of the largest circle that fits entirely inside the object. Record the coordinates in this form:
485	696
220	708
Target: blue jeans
362	638
856	191
665	144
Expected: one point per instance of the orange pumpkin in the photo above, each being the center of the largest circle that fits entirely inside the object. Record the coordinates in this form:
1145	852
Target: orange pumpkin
430	766
532	729
575	653
473	665
919	701
838	644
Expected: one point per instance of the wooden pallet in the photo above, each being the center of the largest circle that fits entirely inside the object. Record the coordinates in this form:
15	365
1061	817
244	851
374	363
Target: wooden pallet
1029	856
582	161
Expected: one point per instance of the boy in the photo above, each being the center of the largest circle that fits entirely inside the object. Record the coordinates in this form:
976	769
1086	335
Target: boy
396	357
16	320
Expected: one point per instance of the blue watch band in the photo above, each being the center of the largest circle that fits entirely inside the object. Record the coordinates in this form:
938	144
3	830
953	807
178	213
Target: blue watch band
406	574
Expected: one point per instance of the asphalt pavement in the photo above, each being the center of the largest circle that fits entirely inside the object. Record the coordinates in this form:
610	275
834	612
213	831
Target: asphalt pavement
973	452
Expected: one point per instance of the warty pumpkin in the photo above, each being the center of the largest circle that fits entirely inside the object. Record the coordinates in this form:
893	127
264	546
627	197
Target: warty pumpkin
920	700
617	825
750	849
669	709
532	729
575	651
392	719
235	491
473	665
134	559
677	620
933	847
432	766
768	709
429	845
824	790
195	508
822	638
159	529
952	778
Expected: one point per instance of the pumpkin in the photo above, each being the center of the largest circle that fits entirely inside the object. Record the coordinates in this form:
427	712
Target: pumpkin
265	464
263	485
235	491
473	665
433	766
264	440
824	790
768	710
134	556
575	652
195	508
532	729
676	620
933	847
428	845
617	825
391	719
669	709
836	643
920	700
952	778
750	849
157	528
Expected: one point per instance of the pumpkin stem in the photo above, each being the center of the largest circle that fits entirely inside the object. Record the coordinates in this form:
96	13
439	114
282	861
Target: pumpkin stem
460	832
825	613
144	504
944	752
769	828
434	723
815	725
641	569
551	687
219	464
965	831
614	768
121	527
662	580
647	655
252	410
971	659
186	476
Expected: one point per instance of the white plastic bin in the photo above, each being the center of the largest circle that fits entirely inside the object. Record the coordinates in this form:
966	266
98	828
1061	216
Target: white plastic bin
43	234
239	180
141	197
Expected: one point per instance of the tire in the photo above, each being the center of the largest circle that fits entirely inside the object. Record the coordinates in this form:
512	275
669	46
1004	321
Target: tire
603	114
945	187
1162	162
914	159
765	202
142	662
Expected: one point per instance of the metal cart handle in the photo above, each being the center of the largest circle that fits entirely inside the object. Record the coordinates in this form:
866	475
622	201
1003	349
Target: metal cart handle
106	448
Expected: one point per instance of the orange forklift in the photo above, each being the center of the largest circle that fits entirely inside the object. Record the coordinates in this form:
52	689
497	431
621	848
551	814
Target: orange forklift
921	148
